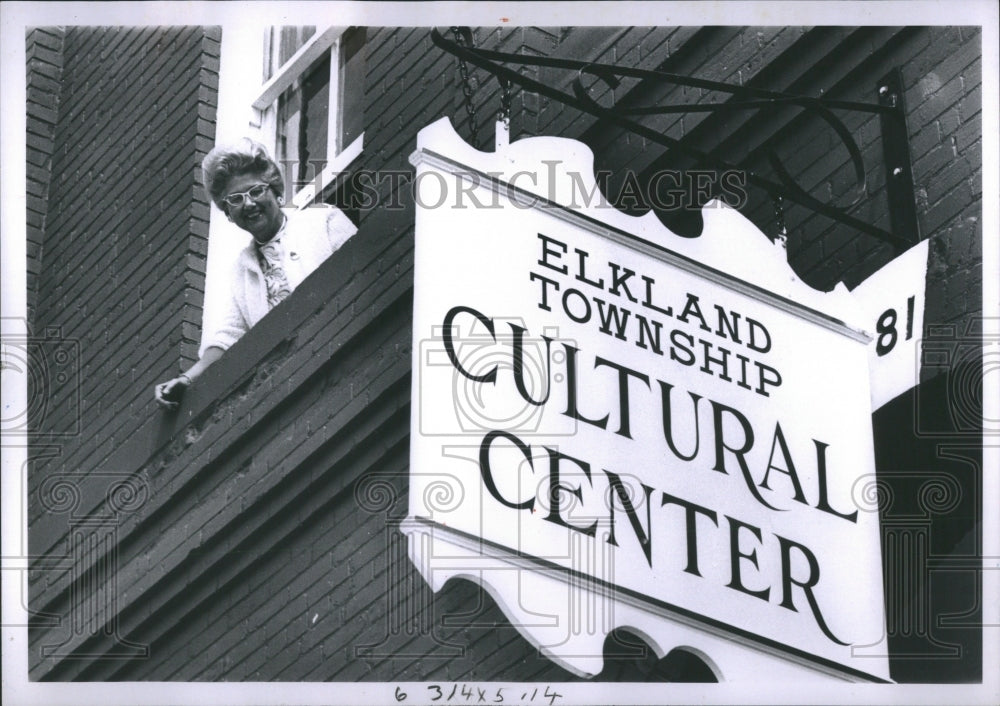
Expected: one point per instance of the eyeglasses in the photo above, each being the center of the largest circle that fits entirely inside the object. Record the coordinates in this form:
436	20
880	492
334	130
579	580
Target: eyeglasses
242	197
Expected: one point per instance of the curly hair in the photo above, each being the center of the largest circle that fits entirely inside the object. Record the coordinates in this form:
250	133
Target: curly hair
245	157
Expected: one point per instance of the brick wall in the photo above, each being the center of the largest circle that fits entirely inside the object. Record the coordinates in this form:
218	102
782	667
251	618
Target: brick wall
944	97
44	57
124	229
262	541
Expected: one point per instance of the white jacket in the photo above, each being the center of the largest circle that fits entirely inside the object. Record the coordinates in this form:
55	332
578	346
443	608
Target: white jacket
310	236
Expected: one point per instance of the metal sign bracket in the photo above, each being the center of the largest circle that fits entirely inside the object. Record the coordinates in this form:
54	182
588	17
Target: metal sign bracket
903	232
896	159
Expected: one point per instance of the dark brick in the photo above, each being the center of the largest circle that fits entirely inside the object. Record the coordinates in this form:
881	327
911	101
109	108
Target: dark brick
971	104
947	179
938	102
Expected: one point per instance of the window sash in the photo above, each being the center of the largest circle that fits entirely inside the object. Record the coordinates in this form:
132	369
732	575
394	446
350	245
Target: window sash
334	167
338	156
286	74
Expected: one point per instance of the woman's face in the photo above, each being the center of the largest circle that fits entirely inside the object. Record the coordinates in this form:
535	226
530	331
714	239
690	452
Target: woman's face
260	217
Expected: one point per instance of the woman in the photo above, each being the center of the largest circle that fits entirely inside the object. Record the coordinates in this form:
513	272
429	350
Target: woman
246	184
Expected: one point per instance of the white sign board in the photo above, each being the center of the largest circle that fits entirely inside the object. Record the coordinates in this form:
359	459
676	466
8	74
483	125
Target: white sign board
894	300
614	426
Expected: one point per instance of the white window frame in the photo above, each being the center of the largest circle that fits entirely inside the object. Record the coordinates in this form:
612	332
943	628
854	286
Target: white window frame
338	157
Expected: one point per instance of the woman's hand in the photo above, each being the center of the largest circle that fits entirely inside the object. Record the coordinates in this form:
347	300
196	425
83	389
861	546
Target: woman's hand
169	393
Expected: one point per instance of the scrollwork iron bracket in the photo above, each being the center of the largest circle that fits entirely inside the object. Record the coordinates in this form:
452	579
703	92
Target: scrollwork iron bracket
903	231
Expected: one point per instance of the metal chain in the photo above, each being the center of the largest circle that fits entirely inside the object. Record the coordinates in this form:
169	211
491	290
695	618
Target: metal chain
779	217
463	70
505	100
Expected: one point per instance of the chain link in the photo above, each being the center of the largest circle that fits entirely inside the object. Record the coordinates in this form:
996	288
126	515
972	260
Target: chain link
463	71
505	100
779	217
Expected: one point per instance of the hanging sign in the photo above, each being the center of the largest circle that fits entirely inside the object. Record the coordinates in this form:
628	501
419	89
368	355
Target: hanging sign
894	300
613	426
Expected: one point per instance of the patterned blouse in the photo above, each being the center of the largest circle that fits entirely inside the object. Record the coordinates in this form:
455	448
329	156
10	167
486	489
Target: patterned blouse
272	258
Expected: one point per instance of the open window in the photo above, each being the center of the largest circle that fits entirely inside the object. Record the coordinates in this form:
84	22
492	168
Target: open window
312	102
298	90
